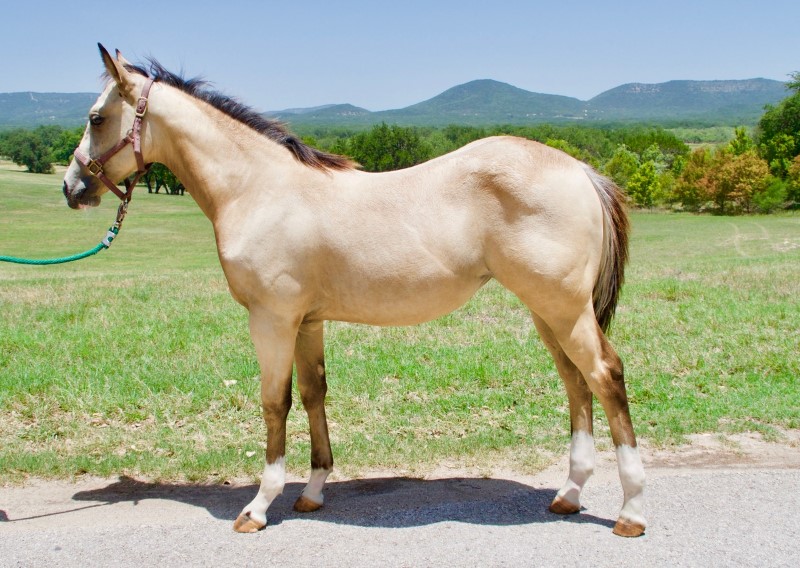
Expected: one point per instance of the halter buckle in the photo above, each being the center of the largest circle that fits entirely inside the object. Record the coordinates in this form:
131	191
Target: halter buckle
141	107
95	168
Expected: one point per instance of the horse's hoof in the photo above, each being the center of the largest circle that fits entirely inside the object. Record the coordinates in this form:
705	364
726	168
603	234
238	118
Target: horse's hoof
245	524
306	505
628	528
561	506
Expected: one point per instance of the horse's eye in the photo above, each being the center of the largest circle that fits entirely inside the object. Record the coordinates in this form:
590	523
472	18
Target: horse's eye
96	120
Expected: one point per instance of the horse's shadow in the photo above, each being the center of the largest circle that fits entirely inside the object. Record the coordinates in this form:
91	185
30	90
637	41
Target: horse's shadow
391	502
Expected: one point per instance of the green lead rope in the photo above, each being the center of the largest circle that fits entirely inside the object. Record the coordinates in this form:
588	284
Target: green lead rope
63	259
113	231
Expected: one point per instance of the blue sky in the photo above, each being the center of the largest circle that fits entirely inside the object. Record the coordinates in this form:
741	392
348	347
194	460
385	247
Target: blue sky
382	55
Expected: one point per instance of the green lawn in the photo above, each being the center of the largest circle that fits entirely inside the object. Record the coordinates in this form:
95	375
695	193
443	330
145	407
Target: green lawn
138	361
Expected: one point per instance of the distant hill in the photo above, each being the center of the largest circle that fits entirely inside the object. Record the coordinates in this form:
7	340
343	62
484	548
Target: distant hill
477	102
481	102
487	102
711	100
32	109
326	115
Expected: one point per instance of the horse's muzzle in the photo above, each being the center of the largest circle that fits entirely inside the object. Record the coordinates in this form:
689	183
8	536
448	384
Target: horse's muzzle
78	198
72	200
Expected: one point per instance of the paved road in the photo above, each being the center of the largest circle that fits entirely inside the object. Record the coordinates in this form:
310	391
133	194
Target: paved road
718	513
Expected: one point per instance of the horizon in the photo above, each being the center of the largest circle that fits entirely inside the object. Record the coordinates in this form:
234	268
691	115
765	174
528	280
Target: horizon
386	57
328	105
300	110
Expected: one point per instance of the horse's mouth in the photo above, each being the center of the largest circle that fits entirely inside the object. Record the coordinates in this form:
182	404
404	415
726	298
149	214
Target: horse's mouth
79	199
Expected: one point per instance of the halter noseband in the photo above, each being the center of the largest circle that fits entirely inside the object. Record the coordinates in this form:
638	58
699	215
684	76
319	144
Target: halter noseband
134	137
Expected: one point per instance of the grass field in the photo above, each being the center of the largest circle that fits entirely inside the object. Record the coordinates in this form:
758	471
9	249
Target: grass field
138	361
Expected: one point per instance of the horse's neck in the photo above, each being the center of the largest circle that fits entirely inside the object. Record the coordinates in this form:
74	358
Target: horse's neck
213	155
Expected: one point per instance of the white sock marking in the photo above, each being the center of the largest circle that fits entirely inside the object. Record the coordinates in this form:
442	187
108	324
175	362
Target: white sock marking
581	466
313	491
272	482
631	475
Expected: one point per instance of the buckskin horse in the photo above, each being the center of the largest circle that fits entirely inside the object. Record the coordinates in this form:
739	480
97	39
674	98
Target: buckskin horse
304	236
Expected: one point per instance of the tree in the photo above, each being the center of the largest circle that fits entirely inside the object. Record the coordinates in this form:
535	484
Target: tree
779	130
771	198
385	148
741	142
29	148
746	176
779	152
688	190
643	185
794	83
460	136
567	148
159	176
793	181
622	165
64	145
731	182
638	140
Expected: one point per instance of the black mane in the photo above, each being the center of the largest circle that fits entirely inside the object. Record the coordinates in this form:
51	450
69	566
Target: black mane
272	129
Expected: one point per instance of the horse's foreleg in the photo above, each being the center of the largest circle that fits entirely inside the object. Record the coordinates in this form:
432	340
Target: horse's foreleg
310	360
274	342
587	347
581	455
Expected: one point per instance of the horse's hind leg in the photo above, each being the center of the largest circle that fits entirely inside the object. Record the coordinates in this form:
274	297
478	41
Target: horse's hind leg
310	363
581	455
587	347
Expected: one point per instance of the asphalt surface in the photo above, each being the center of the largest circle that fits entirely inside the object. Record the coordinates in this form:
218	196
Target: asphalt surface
708	513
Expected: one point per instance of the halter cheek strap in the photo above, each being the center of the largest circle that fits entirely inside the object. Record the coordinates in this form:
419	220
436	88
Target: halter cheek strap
134	137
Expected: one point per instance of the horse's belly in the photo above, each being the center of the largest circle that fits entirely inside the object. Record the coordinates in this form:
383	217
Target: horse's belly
398	301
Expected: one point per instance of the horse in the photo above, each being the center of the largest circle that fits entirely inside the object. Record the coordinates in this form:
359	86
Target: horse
305	236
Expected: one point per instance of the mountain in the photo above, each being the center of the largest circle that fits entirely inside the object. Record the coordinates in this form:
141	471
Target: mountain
481	102
325	115
488	102
484	102
27	110
743	99
478	102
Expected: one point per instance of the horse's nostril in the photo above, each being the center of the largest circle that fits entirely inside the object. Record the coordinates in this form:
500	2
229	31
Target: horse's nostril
65	189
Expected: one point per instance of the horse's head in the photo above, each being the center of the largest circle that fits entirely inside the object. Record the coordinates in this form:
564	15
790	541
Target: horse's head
99	162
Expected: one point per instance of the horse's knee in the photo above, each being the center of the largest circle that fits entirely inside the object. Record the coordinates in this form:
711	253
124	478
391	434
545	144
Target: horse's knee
275	410
312	385
276	402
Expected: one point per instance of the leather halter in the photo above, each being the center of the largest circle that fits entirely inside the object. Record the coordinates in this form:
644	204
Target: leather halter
134	137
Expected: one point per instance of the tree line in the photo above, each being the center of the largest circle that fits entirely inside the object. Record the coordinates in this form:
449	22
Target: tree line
753	172
42	147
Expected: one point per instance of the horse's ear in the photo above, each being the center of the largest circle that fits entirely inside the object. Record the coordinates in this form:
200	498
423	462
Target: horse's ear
122	61
116	70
